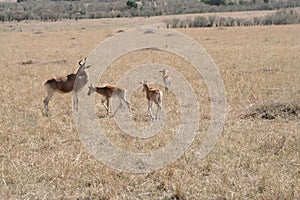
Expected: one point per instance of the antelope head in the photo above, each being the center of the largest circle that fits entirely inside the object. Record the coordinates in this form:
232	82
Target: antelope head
91	90
164	72
145	84
82	66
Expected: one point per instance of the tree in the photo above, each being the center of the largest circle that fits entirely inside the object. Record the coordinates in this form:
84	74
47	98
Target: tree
215	2
131	3
200	21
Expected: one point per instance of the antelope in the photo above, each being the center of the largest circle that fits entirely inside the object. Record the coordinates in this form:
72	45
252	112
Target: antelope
66	84
166	79
153	95
109	91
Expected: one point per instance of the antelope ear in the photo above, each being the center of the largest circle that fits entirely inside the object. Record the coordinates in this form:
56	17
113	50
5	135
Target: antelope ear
88	66
140	82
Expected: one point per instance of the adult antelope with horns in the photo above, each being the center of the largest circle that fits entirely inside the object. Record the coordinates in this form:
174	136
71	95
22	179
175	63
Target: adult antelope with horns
66	84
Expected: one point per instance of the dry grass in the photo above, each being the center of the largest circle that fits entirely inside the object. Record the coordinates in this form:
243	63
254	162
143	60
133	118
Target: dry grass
43	158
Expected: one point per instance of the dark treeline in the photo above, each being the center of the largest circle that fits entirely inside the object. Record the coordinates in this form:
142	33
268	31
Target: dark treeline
53	10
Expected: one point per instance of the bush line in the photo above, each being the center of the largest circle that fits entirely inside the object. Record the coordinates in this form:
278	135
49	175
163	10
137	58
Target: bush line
53	10
283	16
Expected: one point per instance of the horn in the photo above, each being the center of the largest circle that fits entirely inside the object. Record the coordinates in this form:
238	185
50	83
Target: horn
82	60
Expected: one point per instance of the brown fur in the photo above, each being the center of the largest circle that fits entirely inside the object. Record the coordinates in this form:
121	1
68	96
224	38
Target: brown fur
109	91
153	95
66	84
63	84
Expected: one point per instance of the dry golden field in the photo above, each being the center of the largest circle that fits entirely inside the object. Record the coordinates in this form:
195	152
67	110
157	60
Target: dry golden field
256	157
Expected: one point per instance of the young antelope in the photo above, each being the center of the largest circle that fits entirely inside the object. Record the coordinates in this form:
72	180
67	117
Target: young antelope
109	91
153	95
166	79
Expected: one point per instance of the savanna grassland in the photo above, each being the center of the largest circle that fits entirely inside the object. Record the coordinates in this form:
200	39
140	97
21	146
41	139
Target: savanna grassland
256	157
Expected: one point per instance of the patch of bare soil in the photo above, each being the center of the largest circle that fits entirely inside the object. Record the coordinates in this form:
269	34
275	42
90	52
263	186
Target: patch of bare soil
274	110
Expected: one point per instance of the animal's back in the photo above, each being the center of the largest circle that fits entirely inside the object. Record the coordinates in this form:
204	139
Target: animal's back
111	87
106	90
63	85
167	81
154	94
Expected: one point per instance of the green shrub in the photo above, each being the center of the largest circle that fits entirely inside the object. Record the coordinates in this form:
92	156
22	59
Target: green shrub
267	20
175	22
200	21
131	3
283	16
186	23
214	2
257	21
212	21
230	21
